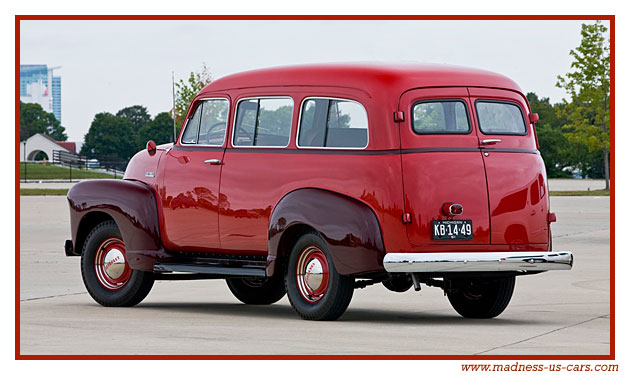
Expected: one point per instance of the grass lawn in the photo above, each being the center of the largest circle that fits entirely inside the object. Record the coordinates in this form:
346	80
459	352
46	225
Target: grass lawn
580	193
62	192
52	172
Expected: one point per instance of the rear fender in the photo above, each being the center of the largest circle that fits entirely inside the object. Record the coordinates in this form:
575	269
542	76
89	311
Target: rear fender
348	226
132	205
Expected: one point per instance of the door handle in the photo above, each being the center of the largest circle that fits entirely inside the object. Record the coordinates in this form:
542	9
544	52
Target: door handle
486	142
213	161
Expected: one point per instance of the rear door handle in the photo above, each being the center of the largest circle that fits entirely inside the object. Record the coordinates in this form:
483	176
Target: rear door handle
213	161
486	142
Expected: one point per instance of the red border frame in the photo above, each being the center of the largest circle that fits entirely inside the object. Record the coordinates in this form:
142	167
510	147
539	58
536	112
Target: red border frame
610	18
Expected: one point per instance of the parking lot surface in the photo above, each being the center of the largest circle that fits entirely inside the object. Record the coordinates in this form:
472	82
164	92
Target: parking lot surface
562	312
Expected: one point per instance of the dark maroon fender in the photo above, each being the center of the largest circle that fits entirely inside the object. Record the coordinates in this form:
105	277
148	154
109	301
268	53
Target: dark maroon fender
133	207
349	228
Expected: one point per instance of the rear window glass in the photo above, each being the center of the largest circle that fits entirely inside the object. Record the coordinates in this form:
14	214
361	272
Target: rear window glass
263	122
333	123
437	117
500	118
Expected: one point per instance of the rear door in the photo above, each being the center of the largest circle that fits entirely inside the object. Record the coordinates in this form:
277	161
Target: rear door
517	183
442	164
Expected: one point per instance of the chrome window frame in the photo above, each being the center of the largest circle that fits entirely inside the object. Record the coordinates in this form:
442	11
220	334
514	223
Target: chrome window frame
258	98
299	125
179	141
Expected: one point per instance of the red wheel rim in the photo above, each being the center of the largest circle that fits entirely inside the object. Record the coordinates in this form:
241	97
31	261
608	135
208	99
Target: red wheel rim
110	264
312	274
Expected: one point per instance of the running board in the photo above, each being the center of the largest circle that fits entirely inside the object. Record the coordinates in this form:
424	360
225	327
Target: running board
209	269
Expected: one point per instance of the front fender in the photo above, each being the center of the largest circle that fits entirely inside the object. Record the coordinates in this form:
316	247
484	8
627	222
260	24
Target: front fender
348	226
132	205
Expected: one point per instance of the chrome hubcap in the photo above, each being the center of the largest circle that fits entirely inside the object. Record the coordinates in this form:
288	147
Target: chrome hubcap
312	274
110	264
114	263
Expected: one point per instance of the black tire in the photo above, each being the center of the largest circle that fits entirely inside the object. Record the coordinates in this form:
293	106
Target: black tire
135	287
338	289
257	291
481	298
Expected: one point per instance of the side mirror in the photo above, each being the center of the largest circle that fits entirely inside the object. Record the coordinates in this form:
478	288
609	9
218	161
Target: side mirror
533	118
151	148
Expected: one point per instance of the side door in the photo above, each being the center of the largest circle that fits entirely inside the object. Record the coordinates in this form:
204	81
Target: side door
191	176
517	182
442	164
255	167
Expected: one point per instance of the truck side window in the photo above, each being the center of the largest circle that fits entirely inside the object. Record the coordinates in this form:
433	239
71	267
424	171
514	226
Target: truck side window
440	117
192	127
500	118
213	122
263	122
334	123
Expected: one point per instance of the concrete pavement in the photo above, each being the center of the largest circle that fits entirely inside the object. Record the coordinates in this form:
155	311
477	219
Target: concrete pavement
563	312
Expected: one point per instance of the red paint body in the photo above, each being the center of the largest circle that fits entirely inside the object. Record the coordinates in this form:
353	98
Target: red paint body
227	207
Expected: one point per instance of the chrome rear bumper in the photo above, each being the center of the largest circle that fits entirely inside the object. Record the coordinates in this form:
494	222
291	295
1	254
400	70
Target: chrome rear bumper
478	262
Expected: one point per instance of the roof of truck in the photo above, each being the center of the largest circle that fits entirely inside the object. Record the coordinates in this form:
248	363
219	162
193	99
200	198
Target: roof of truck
366	76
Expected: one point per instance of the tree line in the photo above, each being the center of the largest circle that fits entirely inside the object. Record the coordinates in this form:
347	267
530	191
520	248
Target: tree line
121	135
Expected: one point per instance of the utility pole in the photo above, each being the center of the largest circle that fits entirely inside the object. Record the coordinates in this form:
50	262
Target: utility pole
25	162
174	115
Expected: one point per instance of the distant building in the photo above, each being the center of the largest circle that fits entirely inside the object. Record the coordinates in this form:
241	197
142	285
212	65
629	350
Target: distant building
42	143
39	85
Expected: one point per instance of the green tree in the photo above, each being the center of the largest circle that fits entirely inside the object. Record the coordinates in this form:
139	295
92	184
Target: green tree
160	130
110	136
554	145
33	120
137	114
187	90
588	84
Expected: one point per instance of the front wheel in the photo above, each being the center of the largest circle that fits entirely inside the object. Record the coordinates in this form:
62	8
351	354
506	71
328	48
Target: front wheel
481	298
315	289
106	273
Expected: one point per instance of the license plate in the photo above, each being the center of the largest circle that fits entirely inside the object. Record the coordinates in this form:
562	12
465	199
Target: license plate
452	230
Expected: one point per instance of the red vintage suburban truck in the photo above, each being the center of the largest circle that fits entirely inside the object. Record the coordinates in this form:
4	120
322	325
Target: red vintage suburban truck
313	181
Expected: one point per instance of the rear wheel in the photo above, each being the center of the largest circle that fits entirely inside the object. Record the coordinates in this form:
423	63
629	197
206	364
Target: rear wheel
481	298
315	289
257	290
106	273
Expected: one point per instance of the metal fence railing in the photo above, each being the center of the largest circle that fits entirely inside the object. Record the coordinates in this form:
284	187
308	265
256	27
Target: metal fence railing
70	167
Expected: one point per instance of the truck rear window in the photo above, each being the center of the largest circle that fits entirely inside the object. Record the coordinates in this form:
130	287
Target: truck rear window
500	118
440	117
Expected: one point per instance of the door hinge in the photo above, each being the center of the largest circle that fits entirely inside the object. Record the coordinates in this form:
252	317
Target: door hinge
406	218
399	116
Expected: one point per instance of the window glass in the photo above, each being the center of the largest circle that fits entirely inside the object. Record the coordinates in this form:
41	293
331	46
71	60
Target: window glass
440	117
500	118
213	122
263	122
192	128
333	123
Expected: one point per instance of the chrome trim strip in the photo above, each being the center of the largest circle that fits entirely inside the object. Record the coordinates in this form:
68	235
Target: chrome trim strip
478	262
261	97
299	125
181	133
